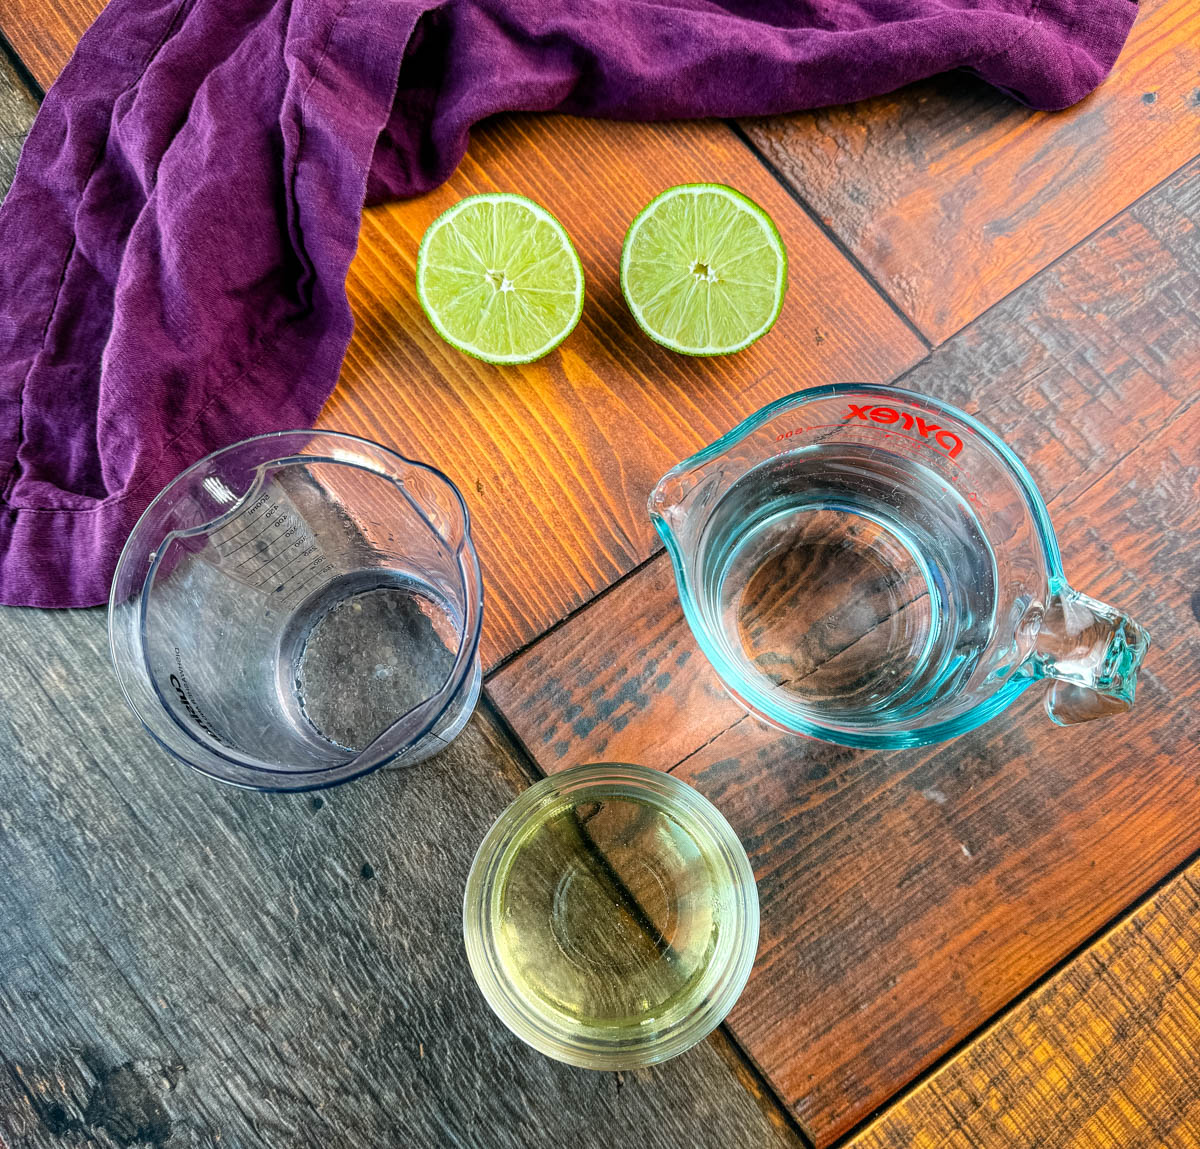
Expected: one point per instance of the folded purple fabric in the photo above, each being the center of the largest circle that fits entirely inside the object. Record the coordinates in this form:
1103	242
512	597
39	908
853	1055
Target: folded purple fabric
174	248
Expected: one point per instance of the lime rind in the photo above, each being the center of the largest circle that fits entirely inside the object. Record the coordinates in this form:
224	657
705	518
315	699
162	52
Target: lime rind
736	237
465	291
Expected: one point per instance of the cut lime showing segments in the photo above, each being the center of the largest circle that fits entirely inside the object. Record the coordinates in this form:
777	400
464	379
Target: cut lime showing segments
499	279
704	270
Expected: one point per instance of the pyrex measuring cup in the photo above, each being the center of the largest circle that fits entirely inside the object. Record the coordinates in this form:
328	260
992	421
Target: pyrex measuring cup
875	568
300	608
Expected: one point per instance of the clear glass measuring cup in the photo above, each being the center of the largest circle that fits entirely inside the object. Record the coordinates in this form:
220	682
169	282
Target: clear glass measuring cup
872	567
298	609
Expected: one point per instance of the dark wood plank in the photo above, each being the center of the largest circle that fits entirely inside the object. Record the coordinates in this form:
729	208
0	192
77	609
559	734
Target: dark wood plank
18	106
908	896
1103	1055
954	167
557	458
622	681
186	964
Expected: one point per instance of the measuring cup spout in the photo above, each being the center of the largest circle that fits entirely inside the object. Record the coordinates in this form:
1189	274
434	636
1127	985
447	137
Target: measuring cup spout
679	494
668	498
1092	652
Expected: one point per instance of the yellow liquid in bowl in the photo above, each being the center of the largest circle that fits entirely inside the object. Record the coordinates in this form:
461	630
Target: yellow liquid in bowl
608	913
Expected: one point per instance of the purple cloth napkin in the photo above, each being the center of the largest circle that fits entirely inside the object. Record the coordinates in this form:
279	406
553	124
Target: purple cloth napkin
174	249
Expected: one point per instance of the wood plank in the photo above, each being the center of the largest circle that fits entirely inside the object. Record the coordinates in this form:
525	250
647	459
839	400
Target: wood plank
561	455
908	896
557	458
273	990
188	964
185	964
1103	1055
18	106
43	33
998	191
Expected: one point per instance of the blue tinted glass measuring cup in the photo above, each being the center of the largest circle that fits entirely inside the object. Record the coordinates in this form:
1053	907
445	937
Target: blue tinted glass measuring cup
872	567
298	609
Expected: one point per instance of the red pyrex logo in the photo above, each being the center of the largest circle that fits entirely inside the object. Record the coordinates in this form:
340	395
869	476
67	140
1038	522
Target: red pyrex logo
947	440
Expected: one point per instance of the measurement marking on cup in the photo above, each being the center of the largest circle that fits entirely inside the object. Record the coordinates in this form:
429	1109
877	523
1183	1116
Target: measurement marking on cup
294	560
234	550
252	539
277	542
314	574
280	557
251	522
258	554
278	576
236	535
271	572
242	528
264	549
295	590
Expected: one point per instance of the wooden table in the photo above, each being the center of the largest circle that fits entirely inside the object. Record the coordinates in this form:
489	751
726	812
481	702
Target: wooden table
987	943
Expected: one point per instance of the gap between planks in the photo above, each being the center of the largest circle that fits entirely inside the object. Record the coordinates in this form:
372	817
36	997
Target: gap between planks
750	1076
24	77
895	381
869	278
529	764
847	252
1000	1017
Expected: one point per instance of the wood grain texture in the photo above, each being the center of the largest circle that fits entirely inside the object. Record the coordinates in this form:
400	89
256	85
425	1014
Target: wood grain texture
556	459
18	106
997	191
44	33
185	964
1101	1057
908	896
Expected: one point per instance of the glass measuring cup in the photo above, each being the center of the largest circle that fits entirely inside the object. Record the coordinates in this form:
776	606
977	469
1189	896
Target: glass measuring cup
872	567
298	609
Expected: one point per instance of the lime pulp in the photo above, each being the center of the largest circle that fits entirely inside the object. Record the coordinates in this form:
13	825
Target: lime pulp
498	278
704	270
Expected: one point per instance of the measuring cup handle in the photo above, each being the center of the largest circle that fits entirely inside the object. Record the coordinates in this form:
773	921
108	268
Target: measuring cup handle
1092	652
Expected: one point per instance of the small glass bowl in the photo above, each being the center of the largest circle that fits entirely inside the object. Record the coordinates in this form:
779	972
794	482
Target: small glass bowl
611	916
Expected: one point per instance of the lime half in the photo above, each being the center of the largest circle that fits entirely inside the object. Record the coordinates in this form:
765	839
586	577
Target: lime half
499	279
704	270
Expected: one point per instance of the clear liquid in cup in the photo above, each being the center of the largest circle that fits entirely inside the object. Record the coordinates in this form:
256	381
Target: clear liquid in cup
854	581
365	651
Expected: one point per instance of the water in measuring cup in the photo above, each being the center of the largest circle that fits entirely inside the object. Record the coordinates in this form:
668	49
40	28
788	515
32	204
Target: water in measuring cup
366	650
853	582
